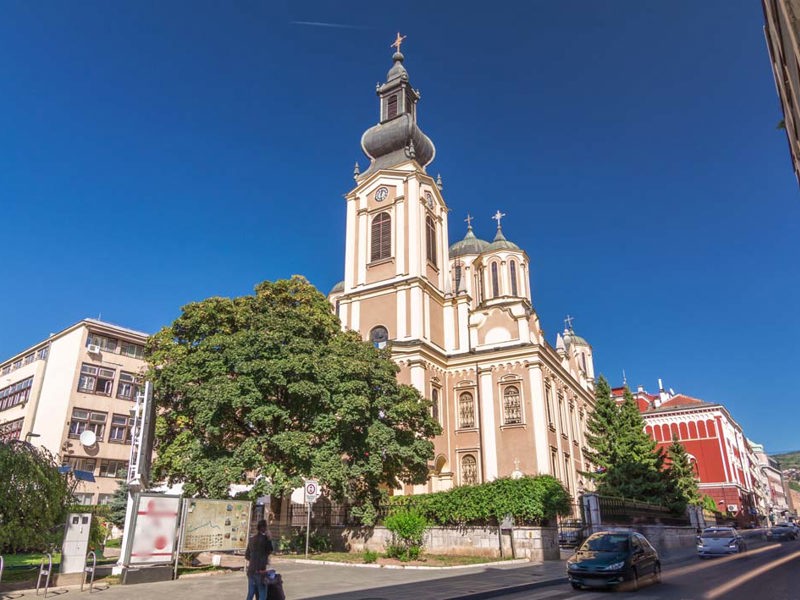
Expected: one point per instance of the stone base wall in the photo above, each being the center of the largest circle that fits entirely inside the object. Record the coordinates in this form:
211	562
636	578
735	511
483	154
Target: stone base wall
533	543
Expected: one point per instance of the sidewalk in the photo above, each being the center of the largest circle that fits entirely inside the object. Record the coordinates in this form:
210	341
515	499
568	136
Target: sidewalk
305	580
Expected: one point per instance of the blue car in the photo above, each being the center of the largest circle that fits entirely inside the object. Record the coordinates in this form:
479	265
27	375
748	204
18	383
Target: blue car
611	559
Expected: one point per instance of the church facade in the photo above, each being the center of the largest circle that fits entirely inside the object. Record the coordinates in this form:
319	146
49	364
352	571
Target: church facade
459	319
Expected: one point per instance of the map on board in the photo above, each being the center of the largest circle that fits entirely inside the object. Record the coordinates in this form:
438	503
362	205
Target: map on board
215	525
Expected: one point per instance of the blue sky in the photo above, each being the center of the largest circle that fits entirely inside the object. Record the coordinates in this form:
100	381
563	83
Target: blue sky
157	153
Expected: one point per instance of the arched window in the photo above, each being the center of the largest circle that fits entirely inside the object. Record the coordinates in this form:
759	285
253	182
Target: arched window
657	433
692	430
466	411
512	409
435	402
469	470
379	336
712	431
673	432
684	431
495	284
457	272
430	239
381	237
513	269
701	426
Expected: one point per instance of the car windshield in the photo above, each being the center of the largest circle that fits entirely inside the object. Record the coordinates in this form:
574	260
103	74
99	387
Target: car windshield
606	543
717	533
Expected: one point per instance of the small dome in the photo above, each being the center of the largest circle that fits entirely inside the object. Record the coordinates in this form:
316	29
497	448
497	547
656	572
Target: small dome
397	70
501	243
469	245
571	339
339	287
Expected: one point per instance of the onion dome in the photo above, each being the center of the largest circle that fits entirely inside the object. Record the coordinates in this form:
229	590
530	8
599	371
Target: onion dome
469	245
500	242
396	138
571	339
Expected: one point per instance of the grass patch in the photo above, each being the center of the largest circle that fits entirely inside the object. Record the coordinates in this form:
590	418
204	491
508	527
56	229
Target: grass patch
114	542
428	560
28	560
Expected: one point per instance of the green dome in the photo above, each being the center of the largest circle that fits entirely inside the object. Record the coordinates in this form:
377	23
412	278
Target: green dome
339	287
469	245
501	243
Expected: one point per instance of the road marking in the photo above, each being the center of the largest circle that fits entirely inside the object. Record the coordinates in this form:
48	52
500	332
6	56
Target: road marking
727	587
717	561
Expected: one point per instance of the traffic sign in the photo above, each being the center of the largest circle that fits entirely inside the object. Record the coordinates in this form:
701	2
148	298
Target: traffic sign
312	490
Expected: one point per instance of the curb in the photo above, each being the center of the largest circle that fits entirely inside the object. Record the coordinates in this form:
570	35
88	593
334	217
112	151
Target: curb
513	589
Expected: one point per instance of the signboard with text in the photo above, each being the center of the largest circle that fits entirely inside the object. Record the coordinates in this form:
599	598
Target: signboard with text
215	525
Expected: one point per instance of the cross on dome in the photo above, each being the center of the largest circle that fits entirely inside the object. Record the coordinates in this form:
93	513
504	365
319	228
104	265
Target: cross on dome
398	41
497	216
468	221
568	322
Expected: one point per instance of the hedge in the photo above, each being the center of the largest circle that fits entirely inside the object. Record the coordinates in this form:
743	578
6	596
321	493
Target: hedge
529	500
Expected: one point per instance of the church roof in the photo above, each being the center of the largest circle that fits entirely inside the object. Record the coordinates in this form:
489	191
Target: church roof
570	337
339	287
500	242
469	245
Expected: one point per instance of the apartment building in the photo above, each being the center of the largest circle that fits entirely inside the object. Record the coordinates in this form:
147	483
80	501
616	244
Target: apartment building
73	394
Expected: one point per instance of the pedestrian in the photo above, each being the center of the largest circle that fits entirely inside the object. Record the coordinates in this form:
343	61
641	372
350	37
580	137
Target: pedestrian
257	555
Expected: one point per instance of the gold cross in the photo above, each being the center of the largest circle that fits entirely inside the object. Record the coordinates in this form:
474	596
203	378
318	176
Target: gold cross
398	41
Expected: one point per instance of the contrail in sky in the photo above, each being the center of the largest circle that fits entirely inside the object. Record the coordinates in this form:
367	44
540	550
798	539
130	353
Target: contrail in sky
320	24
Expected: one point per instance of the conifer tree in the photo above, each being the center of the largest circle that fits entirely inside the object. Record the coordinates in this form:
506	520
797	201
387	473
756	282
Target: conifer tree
682	479
601	436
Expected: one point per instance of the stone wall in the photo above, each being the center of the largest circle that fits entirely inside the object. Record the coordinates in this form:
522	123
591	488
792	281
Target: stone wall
533	543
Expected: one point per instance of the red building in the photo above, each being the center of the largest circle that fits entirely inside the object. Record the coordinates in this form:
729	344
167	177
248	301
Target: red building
715	442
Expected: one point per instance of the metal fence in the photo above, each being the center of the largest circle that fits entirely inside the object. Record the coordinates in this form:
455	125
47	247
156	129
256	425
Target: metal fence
625	511
328	515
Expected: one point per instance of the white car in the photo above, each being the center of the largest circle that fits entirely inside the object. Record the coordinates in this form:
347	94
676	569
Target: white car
718	541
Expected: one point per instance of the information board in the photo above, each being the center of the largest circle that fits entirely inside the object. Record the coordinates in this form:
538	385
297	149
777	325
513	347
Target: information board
215	525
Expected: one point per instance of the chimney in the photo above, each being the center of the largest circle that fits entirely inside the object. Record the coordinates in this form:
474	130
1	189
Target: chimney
663	396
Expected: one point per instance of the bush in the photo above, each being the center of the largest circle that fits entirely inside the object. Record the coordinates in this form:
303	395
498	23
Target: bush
370	556
317	543
529	500
408	531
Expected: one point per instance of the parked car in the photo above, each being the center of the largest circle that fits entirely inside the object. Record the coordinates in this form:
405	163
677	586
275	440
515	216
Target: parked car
613	558
718	541
780	533
791	526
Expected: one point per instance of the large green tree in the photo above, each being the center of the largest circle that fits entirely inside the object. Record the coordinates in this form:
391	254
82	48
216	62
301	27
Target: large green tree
682	478
628	462
34	498
268	389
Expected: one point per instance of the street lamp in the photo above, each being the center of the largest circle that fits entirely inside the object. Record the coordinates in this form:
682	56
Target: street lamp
30	435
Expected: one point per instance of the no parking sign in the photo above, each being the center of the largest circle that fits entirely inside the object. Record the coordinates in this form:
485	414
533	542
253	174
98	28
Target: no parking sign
312	492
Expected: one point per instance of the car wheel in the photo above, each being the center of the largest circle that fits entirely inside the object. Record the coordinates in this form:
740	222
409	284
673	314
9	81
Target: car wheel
657	573
634	580
576	586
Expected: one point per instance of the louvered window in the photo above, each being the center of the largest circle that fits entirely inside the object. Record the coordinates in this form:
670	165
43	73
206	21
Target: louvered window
458	276
430	239
495	284
435	403
391	107
513	269
466	411
381	237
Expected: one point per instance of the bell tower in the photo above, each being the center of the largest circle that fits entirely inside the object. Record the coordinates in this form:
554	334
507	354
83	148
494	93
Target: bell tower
396	275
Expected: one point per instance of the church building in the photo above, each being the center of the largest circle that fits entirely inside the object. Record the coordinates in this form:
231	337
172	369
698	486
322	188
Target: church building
459	319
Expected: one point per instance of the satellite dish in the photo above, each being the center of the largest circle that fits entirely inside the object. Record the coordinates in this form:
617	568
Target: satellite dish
88	438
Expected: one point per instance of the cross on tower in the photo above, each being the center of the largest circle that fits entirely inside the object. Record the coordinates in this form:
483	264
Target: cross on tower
497	216
568	322
398	41
468	220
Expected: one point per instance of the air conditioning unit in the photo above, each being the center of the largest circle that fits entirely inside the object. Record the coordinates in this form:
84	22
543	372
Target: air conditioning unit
93	349
733	508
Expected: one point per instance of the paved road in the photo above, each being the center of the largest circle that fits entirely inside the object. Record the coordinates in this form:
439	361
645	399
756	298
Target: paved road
771	572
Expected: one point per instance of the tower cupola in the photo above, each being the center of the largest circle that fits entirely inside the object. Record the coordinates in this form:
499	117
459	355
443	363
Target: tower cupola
396	138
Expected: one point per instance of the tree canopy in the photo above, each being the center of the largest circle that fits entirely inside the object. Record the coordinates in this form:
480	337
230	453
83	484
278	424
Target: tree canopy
683	478
629	463
34	498
268	389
